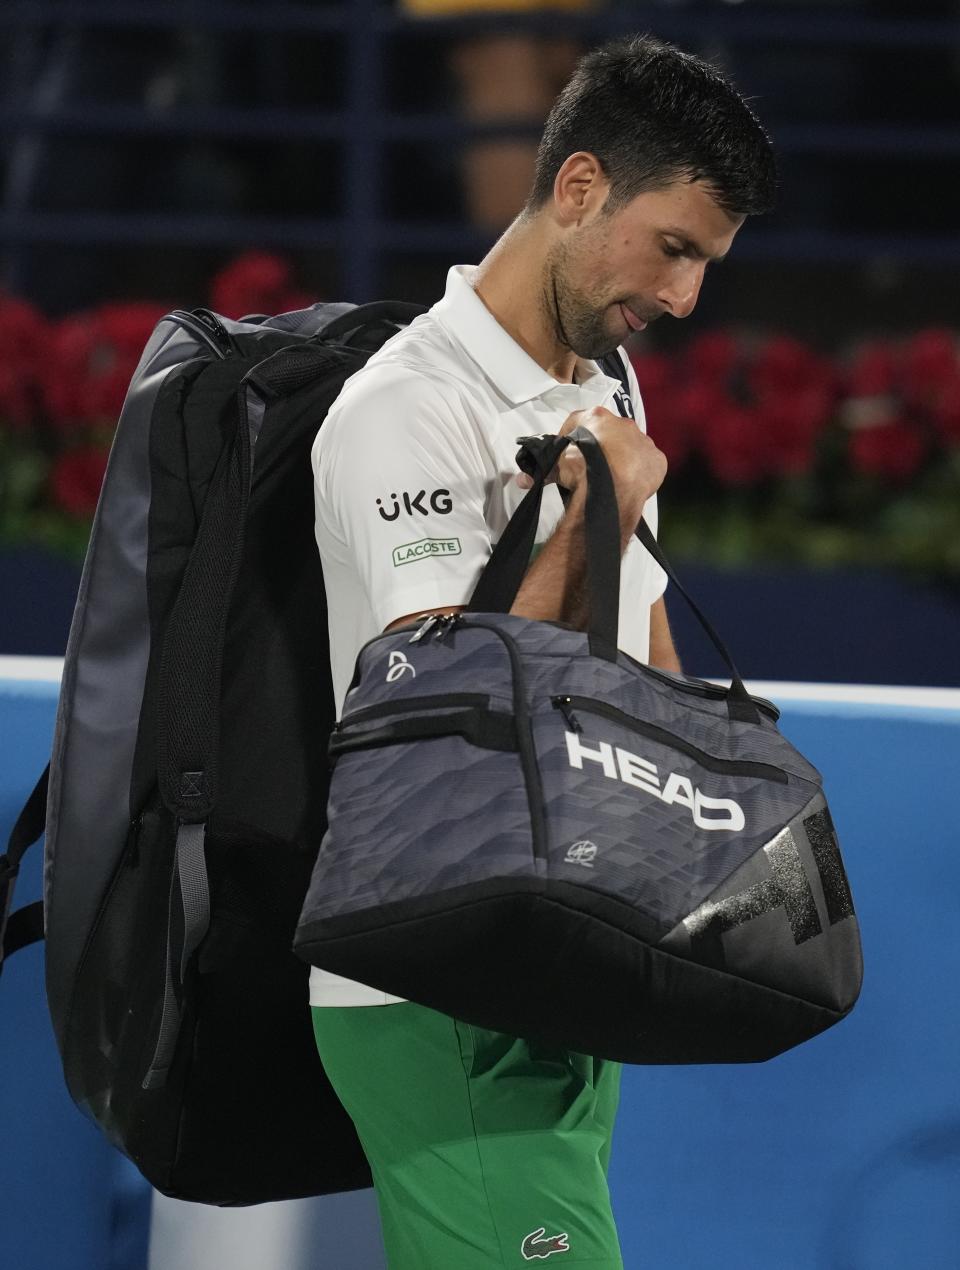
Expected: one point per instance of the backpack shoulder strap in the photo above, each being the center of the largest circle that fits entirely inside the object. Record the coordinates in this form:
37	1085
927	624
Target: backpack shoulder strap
24	927
398	312
613	364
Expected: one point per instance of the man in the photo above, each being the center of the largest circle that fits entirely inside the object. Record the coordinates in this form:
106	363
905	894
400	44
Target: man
486	1150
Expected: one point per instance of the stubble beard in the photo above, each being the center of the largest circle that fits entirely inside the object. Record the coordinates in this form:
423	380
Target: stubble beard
577	321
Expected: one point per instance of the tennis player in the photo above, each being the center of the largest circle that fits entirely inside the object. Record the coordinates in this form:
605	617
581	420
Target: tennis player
488	1150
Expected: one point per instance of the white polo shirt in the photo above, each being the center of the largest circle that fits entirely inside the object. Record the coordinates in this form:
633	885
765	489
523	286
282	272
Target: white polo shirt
415	477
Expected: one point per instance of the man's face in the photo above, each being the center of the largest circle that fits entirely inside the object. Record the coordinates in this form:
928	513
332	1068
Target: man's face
619	271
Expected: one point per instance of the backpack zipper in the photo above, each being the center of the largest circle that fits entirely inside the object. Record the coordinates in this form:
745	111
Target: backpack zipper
729	767
208	330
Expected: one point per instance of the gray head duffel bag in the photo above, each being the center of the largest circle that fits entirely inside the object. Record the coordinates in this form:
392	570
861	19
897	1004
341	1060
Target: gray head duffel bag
535	833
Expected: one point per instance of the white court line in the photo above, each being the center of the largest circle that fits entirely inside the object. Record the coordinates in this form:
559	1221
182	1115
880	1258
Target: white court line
50	669
32	669
858	694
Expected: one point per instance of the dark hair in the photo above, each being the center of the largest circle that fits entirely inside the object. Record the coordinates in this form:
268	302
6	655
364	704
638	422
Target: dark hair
652	115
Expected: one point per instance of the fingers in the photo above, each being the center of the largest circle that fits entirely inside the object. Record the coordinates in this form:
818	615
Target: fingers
570	467
636	464
577	419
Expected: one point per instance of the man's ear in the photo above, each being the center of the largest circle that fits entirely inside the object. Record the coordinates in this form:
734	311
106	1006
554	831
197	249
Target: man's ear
580	188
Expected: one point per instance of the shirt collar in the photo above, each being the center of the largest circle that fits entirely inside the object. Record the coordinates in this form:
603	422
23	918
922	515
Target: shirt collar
499	357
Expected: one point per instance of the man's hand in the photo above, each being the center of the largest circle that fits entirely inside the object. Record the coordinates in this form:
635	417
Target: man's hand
636	465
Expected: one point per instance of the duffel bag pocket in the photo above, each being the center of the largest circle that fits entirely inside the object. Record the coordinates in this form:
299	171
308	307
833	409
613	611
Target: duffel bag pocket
426	795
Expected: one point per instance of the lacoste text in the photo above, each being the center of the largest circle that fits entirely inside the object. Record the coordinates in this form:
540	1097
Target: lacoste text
412	551
631	769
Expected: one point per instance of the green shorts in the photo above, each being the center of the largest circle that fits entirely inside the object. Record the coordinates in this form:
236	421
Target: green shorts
486	1151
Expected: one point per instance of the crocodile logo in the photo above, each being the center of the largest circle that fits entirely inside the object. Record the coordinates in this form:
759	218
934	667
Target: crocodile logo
538	1244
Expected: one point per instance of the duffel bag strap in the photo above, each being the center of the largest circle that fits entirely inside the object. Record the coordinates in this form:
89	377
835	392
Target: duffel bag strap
500	580
739	702
504	572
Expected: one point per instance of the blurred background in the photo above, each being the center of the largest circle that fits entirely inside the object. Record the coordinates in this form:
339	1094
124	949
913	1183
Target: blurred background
156	154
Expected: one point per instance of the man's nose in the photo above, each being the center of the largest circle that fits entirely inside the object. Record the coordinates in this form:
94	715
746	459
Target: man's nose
679	296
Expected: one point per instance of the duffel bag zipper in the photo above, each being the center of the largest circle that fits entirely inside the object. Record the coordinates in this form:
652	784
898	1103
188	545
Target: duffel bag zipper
439	623
567	706
409	705
684	683
528	752
701	688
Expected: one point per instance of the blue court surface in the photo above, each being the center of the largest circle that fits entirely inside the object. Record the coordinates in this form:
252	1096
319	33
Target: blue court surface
841	1155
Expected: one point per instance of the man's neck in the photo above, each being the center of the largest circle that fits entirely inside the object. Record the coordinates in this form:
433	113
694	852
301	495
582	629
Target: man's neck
509	281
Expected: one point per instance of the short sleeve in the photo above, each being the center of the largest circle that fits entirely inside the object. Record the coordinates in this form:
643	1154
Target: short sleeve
400	482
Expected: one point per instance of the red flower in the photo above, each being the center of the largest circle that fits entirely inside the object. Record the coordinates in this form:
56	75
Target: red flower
893	451
734	444
92	359
696	403
256	282
929	357
127	327
873	371
784	365
793	422
794	391
654	371
713	357
23	339
945	411
930	382
71	351
76	479
655	375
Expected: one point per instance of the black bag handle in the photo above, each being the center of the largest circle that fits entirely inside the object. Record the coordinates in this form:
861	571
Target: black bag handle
399	311
503	573
740	703
500	580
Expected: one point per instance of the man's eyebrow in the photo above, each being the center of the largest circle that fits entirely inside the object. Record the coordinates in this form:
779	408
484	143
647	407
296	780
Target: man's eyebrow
690	248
